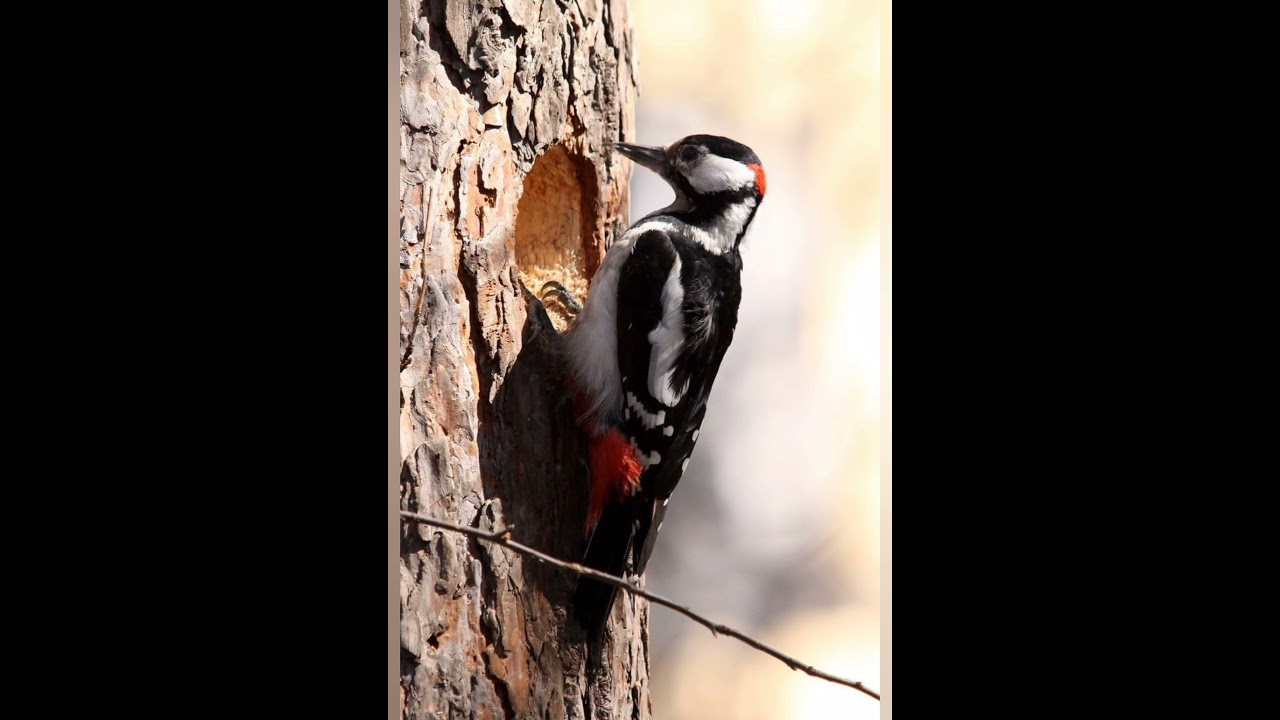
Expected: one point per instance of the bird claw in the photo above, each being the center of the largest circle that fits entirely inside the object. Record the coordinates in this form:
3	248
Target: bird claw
558	292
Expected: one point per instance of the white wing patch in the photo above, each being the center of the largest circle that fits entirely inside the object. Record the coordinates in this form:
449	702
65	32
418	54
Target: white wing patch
717	174
667	339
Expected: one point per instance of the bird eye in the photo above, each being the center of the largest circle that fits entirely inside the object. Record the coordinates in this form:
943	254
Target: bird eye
689	154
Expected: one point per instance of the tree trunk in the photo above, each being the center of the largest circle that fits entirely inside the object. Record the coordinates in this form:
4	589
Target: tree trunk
509	111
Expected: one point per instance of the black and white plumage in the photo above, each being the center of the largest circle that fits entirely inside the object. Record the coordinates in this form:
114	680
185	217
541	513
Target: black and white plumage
645	350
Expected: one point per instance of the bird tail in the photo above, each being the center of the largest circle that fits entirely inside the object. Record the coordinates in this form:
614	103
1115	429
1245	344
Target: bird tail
606	552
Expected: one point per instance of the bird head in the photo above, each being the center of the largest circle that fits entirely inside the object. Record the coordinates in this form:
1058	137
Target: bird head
703	168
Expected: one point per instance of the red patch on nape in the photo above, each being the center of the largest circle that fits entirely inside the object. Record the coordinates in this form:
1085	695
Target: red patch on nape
615	472
760	183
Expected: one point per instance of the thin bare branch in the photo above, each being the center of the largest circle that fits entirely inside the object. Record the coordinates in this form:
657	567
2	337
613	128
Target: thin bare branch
503	537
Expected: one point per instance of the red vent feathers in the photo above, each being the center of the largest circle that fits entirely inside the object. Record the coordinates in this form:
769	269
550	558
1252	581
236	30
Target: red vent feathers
615	472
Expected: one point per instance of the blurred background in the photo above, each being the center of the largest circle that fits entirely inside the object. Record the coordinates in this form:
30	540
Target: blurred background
775	528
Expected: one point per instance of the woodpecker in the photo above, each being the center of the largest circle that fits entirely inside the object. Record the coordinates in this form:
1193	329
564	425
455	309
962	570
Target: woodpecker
644	351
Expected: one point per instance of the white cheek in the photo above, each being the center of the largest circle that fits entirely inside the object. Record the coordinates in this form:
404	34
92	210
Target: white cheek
716	174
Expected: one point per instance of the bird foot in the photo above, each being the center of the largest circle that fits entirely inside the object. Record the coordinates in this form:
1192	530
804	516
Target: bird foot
553	290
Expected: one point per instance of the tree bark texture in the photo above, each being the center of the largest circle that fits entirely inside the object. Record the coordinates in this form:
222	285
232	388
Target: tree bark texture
509	113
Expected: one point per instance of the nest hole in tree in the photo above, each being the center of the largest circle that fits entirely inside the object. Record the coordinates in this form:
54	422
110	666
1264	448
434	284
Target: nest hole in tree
555	226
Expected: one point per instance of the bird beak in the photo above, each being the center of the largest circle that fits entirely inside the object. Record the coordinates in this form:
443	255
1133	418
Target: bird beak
654	158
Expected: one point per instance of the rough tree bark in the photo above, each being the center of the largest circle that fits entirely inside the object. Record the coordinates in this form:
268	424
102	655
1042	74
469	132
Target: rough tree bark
509	112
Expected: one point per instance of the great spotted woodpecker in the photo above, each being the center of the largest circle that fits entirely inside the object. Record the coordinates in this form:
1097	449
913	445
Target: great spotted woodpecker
646	347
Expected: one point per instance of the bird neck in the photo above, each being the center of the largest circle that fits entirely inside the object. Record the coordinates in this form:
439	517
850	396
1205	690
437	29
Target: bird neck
717	223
